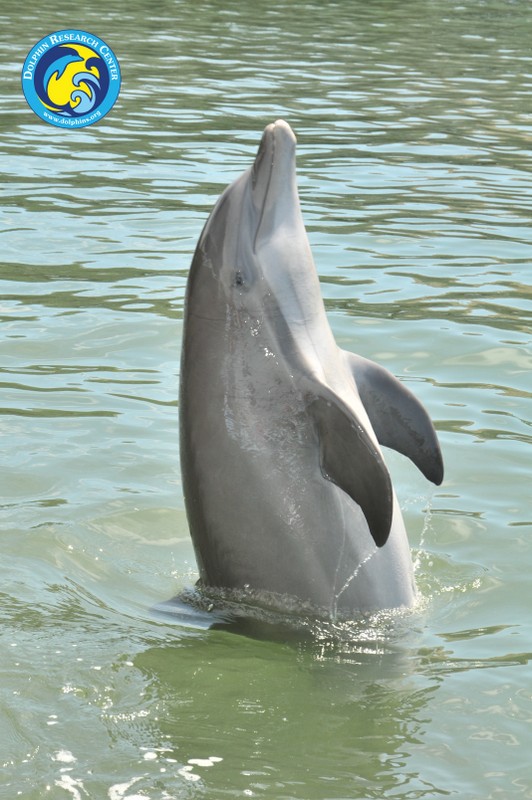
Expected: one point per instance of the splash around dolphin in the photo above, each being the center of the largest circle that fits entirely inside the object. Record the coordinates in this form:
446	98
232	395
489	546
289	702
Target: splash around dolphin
288	497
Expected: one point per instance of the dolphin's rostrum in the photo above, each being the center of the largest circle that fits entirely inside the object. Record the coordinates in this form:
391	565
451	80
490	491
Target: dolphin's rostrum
287	494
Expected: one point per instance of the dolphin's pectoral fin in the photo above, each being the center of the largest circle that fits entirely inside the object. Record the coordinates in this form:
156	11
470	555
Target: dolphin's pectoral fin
349	459
397	417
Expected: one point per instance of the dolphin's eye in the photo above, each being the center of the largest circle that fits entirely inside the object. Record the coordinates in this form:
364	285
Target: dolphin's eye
239	278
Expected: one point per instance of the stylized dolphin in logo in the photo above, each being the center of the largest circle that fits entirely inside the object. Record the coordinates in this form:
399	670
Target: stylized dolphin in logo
71	80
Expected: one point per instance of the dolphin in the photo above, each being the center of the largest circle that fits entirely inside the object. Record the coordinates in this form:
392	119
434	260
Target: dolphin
288	498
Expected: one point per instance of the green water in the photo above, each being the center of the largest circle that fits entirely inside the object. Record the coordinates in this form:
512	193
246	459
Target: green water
414	129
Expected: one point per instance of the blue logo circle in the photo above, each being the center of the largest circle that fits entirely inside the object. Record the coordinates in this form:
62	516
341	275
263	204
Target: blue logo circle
71	79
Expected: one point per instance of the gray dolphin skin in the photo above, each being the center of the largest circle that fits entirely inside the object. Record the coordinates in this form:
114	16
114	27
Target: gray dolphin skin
288	498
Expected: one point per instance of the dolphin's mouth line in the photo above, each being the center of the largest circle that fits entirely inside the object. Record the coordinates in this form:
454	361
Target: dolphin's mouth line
266	193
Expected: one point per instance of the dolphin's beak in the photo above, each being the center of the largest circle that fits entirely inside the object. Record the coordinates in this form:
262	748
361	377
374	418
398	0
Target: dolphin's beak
273	175
276	159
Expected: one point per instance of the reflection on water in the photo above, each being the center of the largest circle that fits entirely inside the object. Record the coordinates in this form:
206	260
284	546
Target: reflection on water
413	124
367	726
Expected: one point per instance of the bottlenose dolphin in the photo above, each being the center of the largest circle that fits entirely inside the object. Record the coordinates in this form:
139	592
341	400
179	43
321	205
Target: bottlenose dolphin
288	497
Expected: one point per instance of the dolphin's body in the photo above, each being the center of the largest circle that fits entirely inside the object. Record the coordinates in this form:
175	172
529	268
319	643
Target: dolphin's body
287	494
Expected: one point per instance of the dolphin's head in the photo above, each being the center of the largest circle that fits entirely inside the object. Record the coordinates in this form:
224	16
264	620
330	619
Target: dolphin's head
254	243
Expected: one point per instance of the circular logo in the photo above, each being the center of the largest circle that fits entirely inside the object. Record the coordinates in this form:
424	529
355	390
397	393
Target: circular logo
71	79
